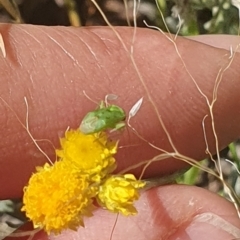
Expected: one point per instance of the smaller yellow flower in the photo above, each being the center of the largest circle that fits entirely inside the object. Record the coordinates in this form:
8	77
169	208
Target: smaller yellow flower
57	198
118	193
91	154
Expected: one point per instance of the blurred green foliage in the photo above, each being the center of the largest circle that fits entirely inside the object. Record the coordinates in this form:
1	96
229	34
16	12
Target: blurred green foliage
200	16
195	16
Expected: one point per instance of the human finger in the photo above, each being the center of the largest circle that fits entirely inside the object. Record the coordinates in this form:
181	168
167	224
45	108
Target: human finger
51	66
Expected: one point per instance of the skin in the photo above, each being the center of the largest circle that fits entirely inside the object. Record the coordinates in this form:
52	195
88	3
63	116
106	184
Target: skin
52	66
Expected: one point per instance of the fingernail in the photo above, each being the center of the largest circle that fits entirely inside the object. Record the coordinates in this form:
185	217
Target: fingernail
208	226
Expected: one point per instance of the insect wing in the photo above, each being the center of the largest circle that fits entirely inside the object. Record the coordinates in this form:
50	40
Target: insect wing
89	123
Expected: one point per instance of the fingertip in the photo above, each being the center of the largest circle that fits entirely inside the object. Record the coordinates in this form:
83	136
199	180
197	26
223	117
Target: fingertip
219	41
167	212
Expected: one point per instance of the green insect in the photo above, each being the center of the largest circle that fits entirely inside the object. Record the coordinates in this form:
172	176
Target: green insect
105	117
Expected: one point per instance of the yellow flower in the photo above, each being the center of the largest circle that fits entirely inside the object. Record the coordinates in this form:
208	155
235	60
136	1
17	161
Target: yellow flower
91	154
118	193
57	198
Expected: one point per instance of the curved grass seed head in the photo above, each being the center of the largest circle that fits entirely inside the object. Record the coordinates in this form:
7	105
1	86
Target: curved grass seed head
106	117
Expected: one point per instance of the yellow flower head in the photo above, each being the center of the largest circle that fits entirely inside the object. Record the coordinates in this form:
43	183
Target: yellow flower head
118	193
91	154
57	198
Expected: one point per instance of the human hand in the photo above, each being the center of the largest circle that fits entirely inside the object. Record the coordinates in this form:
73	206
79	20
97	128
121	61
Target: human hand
52	66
